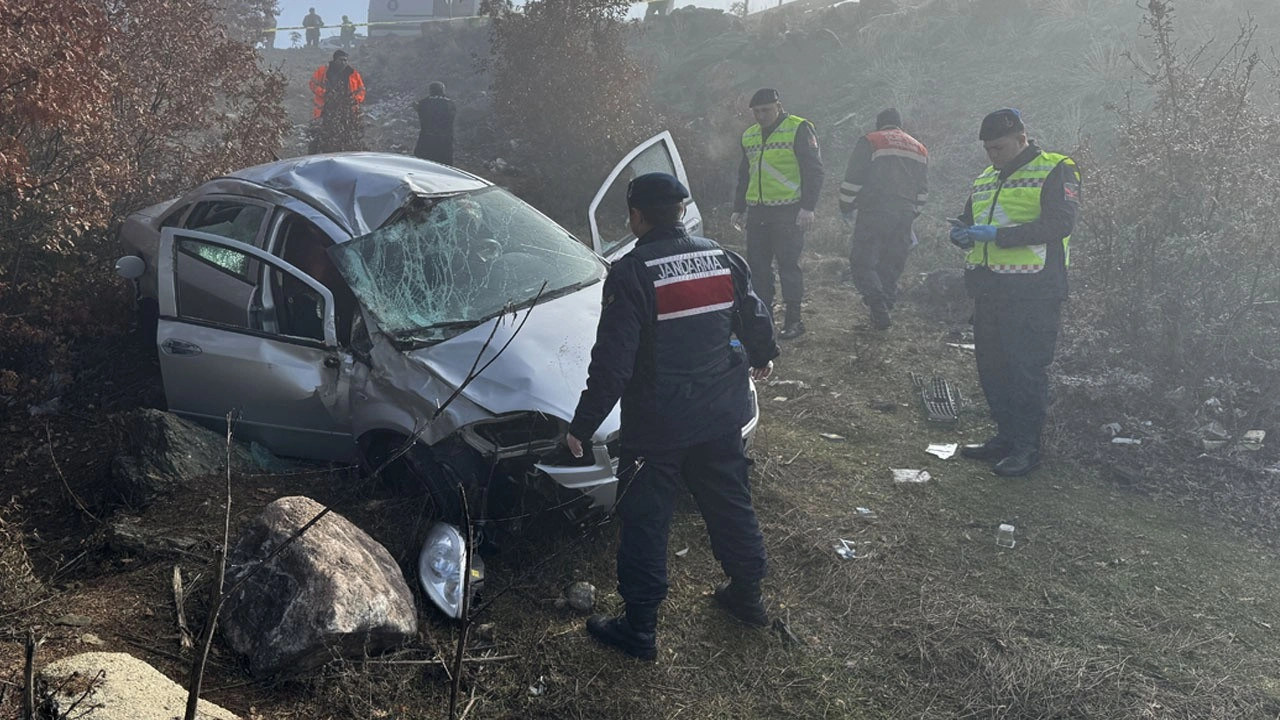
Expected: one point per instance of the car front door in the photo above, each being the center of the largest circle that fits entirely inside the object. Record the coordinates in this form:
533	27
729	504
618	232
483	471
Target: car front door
288	381
610	235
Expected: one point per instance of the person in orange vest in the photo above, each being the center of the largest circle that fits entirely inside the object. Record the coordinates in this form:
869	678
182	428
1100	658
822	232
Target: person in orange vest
338	91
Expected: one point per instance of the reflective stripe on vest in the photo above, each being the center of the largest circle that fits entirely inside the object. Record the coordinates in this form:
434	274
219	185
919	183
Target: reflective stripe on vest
775	171
1015	201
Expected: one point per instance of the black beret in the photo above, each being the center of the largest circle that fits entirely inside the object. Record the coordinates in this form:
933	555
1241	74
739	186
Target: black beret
764	96
1005	121
887	117
655	190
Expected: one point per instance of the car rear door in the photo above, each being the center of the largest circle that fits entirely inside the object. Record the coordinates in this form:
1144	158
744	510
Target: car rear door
610	235
236	350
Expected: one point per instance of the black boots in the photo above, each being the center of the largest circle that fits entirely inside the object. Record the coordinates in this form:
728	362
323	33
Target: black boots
634	632
997	448
792	326
1018	463
743	601
880	319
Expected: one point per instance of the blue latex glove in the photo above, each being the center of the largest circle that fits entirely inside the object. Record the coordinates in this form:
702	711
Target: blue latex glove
960	237
982	233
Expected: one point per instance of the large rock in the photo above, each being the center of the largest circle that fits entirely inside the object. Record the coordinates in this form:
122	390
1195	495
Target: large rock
333	592
161	452
116	686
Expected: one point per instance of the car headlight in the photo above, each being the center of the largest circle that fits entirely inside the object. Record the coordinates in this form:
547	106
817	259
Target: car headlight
440	567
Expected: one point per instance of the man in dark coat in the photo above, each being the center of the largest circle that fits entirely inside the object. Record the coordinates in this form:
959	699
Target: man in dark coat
671	307
435	119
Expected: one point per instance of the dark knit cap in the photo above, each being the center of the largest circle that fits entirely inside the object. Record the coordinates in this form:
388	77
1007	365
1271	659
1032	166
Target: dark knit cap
764	96
339	54
655	190
1000	123
887	117
435	88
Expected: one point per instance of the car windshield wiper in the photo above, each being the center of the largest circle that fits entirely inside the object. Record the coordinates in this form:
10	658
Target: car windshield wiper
434	332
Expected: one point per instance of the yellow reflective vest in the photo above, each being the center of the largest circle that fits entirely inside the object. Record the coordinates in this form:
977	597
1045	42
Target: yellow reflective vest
1012	201
775	171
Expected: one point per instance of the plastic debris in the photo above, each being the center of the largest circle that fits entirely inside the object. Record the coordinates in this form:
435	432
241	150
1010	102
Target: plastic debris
538	688
903	475
865	513
1004	536
963	346
1111	429
1252	440
1211	445
780	398
852	549
946	451
682	553
797	384
832	437
1126	441
1214	431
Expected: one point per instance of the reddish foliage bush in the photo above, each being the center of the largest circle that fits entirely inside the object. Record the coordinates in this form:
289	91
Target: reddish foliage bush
106	107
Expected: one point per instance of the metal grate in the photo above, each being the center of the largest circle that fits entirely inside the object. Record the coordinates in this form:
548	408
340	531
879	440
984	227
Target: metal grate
941	399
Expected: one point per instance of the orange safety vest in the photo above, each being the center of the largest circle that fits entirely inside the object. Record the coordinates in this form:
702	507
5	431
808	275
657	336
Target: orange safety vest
355	84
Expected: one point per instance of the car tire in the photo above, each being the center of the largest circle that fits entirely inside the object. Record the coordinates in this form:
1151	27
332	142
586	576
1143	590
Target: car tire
442	470
148	321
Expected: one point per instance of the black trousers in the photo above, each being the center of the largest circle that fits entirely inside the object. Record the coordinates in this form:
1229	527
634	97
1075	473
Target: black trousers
878	254
776	236
716	474
1015	340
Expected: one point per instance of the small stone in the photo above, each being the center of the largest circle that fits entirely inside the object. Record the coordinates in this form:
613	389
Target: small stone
581	596
74	620
91	639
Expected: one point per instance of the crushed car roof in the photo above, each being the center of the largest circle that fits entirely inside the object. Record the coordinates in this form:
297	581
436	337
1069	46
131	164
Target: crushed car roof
362	189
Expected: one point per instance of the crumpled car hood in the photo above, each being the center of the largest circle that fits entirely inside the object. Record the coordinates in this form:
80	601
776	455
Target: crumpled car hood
544	368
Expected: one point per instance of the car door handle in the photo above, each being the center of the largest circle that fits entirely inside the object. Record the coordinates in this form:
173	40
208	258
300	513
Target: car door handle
180	347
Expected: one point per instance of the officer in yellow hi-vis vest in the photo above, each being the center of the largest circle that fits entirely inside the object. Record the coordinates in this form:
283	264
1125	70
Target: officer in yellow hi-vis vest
779	180
1016	229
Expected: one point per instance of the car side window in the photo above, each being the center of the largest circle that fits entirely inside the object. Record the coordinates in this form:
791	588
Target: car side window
200	296
229	219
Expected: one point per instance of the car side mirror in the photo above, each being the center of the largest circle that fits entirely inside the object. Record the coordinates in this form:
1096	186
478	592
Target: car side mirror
130	267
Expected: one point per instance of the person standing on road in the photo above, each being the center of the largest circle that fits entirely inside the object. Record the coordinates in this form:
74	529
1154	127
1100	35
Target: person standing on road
1016	229
663	346
886	186
779	180
312	23
436	114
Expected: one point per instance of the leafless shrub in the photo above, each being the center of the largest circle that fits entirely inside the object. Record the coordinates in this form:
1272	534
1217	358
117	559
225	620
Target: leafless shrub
1182	267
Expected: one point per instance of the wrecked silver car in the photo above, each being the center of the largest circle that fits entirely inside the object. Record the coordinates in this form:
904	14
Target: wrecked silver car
382	308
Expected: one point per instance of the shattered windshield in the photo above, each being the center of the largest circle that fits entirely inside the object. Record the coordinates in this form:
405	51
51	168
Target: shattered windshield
442	265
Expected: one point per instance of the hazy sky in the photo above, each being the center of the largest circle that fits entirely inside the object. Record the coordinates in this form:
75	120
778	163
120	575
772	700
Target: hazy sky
292	12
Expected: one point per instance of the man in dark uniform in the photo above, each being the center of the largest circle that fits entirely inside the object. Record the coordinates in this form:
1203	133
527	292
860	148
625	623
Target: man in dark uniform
436	113
886	186
312	23
1016	229
663	347
779	180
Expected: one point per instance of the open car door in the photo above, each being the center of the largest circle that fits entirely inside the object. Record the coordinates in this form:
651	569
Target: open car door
610	235
261	343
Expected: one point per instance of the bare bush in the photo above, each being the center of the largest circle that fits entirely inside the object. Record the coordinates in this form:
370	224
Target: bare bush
1182	268
568	94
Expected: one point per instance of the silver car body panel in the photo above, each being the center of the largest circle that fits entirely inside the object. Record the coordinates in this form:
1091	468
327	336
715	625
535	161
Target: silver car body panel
312	398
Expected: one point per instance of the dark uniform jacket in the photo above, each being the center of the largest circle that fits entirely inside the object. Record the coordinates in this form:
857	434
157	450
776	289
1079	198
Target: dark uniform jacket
810	160
887	173
1059	201
670	306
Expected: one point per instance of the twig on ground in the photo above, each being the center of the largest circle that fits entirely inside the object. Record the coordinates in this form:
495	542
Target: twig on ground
441	661
184	631
65	486
29	677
